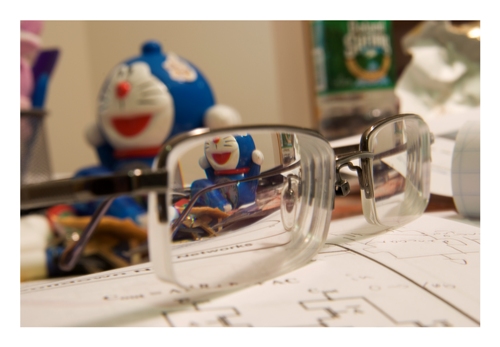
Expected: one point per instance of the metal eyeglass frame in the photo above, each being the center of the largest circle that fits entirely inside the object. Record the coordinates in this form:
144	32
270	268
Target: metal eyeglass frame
139	182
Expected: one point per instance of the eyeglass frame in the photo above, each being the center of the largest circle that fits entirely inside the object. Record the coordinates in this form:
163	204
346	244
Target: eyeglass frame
140	181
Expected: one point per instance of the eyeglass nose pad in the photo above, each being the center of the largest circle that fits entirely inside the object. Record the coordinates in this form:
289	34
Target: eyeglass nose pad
289	202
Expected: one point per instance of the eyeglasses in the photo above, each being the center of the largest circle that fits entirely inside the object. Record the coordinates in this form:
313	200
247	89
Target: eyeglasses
265	193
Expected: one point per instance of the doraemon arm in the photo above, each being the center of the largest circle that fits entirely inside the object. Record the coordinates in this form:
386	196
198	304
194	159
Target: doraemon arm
247	190
205	165
257	160
94	136
220	116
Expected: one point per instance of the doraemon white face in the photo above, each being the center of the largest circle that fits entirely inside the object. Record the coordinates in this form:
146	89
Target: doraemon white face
136	109
223	153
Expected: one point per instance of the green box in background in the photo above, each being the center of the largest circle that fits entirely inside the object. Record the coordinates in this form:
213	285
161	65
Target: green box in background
355	74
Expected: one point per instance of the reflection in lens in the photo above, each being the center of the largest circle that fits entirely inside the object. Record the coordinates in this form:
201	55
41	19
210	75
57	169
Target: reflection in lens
400	171
230	222
290	200
224	189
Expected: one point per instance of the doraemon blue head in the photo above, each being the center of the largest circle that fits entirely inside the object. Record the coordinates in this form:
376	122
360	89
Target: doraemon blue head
149	98
230	154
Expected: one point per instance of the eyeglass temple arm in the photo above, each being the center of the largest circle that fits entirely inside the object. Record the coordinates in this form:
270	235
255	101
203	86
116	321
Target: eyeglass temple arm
71	254
350	152
346	154
89	188
83	189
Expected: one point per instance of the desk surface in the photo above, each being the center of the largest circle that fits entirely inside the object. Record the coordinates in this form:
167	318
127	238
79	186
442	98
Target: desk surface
357	279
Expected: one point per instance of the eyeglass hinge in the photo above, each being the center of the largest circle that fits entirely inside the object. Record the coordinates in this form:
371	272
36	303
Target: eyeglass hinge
342	188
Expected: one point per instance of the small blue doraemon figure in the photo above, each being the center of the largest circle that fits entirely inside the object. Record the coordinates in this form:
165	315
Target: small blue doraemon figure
143	102
229	158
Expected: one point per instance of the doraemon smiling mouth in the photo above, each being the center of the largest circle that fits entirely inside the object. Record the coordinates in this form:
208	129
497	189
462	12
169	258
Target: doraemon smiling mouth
131	126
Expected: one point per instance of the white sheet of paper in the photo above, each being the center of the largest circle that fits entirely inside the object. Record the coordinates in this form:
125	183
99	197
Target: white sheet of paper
442	154
423	274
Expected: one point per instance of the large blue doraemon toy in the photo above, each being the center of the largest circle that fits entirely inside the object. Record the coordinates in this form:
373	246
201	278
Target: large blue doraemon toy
143	102
148	99
229	158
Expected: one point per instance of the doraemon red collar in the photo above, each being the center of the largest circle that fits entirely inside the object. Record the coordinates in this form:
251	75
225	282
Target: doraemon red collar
136	152
237	171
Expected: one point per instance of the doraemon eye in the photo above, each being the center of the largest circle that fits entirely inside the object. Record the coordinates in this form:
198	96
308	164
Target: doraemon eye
122	71
230	142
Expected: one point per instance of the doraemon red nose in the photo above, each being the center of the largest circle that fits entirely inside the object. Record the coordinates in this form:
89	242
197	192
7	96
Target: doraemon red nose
122	89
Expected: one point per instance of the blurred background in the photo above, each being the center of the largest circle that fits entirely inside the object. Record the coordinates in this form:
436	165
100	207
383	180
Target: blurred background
336	77
257	67
263	69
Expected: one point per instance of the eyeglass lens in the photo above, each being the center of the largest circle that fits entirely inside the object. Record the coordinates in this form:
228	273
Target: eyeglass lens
400	171
265	195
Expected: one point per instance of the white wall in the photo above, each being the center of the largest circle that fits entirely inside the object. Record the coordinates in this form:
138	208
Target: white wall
258	67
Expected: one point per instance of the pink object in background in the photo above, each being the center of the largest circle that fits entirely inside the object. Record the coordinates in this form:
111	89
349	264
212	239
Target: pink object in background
30	44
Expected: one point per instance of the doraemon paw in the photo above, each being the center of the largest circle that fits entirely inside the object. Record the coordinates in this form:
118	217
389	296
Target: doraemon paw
257	157
220	116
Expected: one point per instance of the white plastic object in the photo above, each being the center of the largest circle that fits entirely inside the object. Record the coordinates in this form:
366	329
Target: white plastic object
220	116
35	235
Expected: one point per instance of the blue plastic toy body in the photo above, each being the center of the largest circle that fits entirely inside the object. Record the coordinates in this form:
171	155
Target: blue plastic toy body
229	158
